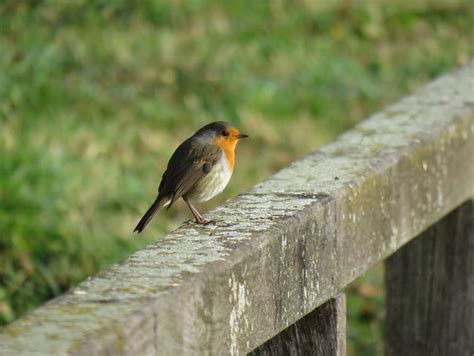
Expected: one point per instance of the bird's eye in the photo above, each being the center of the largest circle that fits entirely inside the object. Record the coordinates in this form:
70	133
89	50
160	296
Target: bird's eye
225	133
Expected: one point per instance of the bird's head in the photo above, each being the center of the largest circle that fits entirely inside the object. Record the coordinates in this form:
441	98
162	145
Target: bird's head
221	134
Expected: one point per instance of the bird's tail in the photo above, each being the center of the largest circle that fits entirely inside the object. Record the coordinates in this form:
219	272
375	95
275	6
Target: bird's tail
154	208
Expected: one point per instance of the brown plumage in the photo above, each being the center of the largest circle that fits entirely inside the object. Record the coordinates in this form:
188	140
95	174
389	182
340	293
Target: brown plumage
198	170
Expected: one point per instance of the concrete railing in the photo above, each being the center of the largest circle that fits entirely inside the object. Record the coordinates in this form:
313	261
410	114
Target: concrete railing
267	277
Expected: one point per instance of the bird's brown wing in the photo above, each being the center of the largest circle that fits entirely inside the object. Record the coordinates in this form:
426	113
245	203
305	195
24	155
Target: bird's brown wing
189	163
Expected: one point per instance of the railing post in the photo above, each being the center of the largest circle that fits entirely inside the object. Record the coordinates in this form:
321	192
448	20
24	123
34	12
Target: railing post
430	290
320	333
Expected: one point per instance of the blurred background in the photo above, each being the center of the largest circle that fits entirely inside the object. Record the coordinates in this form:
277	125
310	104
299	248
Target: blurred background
95	96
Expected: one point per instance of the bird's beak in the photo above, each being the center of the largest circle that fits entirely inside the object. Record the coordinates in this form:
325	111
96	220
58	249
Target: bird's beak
241	135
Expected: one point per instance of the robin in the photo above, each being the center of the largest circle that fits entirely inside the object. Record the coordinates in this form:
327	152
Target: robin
198	170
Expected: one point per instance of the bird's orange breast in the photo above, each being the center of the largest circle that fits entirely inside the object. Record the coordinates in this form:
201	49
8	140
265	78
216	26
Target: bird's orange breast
228	145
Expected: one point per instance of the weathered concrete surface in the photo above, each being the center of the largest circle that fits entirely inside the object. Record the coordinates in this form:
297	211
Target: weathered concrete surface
281	249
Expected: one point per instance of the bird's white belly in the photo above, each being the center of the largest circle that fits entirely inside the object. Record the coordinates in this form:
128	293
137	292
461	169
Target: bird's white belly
213	183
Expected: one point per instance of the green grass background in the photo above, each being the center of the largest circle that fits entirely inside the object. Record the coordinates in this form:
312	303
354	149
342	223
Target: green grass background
95	95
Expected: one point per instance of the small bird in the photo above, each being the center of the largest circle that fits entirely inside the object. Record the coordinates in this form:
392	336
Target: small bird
198	170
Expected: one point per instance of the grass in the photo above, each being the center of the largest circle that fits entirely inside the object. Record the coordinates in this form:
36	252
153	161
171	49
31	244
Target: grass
96	95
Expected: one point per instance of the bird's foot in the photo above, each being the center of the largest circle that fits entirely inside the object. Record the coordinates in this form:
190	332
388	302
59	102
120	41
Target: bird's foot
204	222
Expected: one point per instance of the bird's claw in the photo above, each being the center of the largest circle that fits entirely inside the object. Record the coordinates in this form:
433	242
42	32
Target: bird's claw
204	222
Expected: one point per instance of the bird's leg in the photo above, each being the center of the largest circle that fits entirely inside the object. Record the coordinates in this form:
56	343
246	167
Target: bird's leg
199	219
